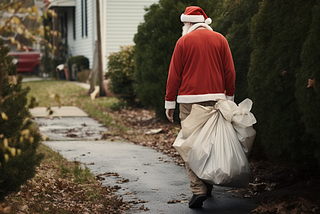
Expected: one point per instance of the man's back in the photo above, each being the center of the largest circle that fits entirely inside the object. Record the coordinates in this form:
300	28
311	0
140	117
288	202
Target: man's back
203	60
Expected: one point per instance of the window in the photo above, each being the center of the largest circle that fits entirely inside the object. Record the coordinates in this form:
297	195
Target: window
84	18
74	23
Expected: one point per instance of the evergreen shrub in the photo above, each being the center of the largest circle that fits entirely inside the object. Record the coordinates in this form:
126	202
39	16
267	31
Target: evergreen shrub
234	23
307	85
121	68
82	62
19	138
279	30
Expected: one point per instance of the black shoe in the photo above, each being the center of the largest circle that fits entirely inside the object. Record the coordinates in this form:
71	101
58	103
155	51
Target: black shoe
209	189
209	194
197	200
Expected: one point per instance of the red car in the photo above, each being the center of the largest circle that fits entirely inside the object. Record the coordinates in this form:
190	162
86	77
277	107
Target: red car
27	62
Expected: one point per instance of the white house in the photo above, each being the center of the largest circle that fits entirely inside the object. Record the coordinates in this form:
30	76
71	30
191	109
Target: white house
77	23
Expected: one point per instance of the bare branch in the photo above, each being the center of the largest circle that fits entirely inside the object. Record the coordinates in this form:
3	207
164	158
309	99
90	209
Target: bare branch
1	81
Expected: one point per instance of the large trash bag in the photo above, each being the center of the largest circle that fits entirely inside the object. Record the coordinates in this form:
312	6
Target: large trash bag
215	142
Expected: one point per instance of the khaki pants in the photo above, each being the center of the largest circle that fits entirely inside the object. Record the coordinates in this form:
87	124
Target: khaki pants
197	186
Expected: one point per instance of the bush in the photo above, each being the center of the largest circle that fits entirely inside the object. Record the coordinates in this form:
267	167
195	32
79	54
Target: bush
82	62
19	139
121	67
307	95
83	75
279	30
234	23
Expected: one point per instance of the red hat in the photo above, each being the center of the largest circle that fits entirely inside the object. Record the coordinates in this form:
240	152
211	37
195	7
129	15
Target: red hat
195	14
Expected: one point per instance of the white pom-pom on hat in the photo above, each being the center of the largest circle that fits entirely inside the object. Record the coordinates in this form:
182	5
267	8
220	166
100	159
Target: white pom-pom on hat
208	21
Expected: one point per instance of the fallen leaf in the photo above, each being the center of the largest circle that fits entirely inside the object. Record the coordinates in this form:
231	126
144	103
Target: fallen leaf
122	181
28	194
153	131
111	174
7	209
174	202
312	83
284	73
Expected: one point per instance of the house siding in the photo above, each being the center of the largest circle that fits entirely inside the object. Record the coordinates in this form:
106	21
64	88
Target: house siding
71	29
82	45
122	20
119	23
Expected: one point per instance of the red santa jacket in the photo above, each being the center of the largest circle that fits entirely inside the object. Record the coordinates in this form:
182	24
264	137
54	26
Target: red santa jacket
201	69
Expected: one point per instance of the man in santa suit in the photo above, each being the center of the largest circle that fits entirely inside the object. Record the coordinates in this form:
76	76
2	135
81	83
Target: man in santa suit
202	72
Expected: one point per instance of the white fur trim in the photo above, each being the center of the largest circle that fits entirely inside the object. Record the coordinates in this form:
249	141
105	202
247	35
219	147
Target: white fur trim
231	98
200	98
195	26
192	18
170	105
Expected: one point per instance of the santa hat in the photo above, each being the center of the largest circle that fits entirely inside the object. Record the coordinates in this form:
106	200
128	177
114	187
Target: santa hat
195	14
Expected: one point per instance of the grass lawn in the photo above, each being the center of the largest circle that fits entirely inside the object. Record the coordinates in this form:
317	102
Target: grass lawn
50	93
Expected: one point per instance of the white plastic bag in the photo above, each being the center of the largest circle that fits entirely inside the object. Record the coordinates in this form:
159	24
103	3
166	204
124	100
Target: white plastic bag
191	128
242	120
211	146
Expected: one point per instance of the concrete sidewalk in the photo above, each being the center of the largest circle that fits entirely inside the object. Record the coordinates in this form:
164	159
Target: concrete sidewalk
147	175
64	111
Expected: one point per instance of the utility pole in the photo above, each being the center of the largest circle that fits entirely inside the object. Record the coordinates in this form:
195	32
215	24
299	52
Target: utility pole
102	92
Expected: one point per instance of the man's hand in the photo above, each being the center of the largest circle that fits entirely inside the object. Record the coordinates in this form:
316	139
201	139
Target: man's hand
169	114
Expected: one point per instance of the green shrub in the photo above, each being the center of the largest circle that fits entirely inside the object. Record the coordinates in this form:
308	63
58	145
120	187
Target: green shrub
19	138
83	75
234	23
307	85
121	67
279	30
117	106
82	62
